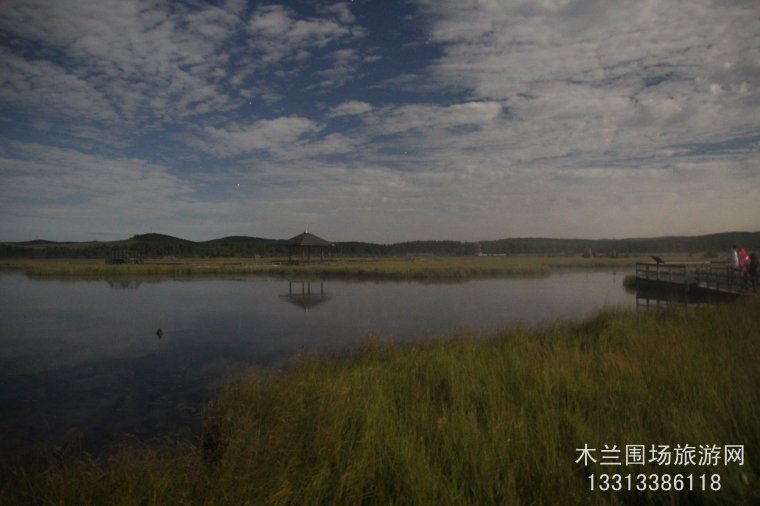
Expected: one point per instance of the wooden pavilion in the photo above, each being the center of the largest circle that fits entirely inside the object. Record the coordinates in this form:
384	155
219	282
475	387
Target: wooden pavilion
304	244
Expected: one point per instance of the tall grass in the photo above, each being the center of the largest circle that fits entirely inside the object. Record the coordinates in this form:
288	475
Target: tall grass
443	268
462	420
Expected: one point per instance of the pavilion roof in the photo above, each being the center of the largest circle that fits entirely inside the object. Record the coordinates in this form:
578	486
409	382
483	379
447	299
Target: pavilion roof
307	239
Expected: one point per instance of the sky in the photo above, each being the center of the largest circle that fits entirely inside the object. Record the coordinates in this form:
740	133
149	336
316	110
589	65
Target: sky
379	120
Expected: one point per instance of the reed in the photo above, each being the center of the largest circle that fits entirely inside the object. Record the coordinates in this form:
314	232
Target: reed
444	268
460	419
451	268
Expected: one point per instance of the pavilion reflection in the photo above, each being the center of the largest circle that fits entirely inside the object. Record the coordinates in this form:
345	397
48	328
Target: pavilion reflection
125	284
306	294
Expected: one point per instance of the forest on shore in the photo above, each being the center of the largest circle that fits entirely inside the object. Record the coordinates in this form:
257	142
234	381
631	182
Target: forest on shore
155	245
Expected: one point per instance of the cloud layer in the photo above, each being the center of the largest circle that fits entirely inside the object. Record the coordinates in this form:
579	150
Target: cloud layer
437	119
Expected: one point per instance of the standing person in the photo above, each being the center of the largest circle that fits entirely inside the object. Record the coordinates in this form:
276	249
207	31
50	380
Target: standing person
744	267
753	270
733	262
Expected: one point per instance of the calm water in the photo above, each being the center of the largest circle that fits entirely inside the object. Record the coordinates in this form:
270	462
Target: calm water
81	364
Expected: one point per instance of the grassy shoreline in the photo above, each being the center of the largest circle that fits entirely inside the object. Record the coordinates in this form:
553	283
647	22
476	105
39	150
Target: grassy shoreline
362	268
463	420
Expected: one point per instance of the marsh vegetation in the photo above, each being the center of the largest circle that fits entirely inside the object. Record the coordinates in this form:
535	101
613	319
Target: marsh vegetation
465	420
414	267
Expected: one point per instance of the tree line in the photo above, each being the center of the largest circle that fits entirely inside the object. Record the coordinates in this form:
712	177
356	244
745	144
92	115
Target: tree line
159	246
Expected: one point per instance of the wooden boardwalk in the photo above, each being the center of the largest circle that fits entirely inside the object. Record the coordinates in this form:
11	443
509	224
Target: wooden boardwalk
705	277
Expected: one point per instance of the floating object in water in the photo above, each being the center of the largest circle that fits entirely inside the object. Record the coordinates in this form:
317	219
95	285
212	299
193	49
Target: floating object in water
160	332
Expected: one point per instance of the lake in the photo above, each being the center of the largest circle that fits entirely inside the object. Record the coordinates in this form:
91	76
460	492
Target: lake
81	363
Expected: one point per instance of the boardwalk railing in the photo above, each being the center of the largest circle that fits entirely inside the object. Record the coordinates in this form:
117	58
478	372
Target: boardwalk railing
715	277
684	273
721	278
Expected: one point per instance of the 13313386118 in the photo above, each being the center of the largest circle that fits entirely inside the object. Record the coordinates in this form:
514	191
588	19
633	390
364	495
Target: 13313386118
653	482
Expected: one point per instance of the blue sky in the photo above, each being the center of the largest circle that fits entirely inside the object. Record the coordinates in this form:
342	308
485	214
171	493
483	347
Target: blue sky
379	120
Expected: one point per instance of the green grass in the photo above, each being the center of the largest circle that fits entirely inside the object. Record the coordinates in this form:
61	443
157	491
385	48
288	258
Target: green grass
453	268
462	420
443	268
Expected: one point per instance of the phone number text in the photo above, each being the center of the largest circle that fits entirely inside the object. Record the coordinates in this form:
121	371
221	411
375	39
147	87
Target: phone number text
654	482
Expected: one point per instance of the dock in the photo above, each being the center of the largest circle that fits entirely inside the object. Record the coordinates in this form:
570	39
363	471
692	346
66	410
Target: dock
694	277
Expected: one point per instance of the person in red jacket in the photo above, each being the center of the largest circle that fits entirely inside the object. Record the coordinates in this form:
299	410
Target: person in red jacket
744	266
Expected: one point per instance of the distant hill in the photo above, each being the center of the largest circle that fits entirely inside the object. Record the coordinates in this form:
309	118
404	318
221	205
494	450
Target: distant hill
241	239
158	238
155	245
716	243
36	242
450	248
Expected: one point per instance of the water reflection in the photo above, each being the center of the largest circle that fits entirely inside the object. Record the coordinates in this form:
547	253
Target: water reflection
128	284
84	356
303	296
653	298
647	301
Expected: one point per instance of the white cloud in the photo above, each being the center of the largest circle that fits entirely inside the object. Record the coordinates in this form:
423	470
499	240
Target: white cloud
429	117
566	117
342	10
274	136
152	65
38	172
277	33
503	50
40	84
351	108
146	66
64	191
343	68
596	92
